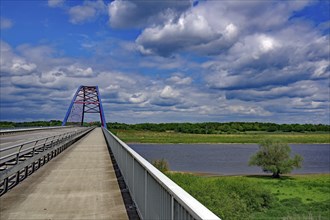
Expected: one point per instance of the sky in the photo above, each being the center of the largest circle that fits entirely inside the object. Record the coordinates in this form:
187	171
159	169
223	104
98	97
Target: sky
167	60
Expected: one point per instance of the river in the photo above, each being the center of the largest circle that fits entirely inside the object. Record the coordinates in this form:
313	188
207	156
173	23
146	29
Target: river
229	159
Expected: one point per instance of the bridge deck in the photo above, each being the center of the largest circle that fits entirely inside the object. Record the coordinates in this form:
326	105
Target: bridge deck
78	184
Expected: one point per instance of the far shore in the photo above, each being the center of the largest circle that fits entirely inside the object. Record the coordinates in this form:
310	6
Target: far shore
209	143
150	137
205	174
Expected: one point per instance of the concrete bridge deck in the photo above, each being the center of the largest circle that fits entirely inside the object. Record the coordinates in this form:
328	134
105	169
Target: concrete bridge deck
80	183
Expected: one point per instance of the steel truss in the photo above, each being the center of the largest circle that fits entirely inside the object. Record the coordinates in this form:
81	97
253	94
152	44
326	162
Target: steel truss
86	100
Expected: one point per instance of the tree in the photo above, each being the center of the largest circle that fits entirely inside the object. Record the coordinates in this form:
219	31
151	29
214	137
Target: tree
274	156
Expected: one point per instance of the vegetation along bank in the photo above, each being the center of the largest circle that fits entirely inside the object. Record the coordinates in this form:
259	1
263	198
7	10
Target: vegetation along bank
260	197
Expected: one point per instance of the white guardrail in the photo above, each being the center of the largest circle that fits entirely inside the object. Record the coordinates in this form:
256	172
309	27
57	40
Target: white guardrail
154	194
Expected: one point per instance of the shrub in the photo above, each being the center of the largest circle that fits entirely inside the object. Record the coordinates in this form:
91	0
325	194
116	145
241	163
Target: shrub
227	198
161	165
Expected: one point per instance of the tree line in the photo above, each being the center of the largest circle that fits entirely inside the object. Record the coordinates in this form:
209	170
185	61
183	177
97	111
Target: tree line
219	128
194	128
10	124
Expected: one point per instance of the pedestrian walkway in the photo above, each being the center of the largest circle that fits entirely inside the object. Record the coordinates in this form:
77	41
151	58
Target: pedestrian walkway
80	183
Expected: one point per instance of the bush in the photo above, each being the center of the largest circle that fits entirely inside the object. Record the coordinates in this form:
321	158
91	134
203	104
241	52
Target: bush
161	165
228	198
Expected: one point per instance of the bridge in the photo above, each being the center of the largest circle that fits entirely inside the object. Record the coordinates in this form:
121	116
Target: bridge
75	172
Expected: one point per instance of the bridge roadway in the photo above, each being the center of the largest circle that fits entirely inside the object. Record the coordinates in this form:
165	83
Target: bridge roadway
80	183
17	138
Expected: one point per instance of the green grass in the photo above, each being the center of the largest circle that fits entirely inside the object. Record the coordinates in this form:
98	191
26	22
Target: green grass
261	197
132	136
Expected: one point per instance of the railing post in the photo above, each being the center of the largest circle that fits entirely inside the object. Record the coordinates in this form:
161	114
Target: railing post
133	182
17	178
145	194
43	149
26	171
172	207
5	185
17	158
35	144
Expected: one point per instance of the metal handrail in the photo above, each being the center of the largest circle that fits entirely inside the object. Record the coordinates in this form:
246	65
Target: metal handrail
9	131
17	166
159	192
28	142
20	147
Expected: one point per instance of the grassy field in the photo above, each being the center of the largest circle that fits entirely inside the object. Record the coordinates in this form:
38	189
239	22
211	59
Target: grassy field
261	197
131	136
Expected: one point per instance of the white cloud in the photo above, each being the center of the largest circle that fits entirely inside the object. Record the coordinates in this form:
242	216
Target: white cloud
55	3
88	11
180	80
214	27
292	54
75	70
138	98
322	70
168	92
12	64
131	13
301	89
190	30
248	110
267	43
5	23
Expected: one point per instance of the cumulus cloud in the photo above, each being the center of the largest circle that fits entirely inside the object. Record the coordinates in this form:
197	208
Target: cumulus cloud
12	64
248	110
75	70
88	11
190	29
133	13
301	89
55	3
179	79
5	23
168	92
213	27
260	60
322	70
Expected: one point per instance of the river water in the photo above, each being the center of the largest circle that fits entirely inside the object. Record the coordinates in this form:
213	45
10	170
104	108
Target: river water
229	159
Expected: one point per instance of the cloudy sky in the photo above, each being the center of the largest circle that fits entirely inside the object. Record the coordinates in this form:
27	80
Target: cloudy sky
167	60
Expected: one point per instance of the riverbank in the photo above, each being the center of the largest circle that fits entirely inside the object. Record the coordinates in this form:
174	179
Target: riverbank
132	136
228	159
261	197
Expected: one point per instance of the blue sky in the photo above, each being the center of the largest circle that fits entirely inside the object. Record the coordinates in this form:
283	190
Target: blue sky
167	61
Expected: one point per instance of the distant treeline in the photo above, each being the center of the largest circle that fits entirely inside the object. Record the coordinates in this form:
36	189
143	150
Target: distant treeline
9	124
194	128
218	128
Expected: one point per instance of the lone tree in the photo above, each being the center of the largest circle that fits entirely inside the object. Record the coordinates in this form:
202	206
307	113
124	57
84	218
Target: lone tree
274	157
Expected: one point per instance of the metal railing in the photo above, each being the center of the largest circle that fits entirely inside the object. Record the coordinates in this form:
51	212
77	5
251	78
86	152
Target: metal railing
154	194
19	130
19	161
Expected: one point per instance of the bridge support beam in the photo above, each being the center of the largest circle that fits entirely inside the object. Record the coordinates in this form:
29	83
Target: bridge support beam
86	100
